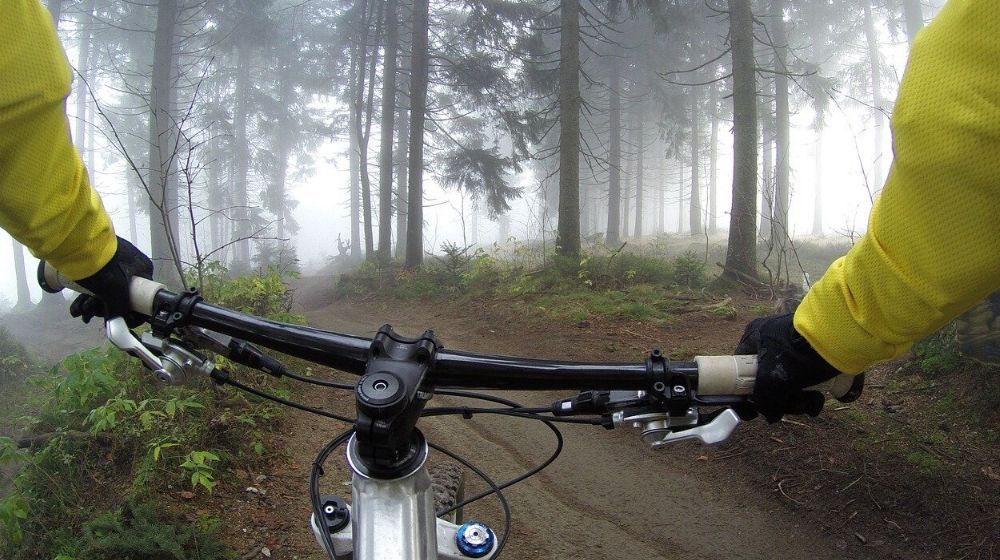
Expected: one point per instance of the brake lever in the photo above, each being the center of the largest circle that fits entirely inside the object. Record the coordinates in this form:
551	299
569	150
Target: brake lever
179	360
717	430
118	333
660	428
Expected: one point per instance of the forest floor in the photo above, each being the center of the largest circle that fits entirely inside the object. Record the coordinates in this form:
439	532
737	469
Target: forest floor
905	472
910	470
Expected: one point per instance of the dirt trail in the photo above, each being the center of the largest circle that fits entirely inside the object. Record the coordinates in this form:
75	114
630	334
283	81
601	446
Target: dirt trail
607	496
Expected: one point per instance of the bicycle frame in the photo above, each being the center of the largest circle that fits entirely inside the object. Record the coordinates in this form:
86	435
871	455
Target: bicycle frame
392	518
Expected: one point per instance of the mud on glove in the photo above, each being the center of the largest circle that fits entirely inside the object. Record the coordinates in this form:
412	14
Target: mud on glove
110	286
786	364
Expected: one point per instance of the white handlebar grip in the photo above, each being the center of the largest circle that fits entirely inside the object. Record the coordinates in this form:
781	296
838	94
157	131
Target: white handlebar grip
735	375
142	292
726	375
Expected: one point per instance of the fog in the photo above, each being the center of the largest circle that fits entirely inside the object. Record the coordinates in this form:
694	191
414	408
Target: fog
273	113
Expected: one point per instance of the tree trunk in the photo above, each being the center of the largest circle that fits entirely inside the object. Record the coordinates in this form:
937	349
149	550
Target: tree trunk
914	16
162	181
132	189
626	213
475	225
216	198
402	163
354	157
766	112
597	214
55	9
366	187
418	107
369	109
21	278
402	158
615	156
694	215
569	130
713	169
871	37
385	141
503	225
779	216
661	187
283	140
85	25
818	201
586	224
680	198
741	255
640	169
241	157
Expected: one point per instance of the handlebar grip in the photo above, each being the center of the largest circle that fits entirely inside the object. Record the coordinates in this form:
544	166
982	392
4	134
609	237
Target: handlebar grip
142	292
735	375
726	375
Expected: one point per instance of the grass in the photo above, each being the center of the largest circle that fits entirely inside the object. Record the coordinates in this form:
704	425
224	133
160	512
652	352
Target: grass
762	309
611	284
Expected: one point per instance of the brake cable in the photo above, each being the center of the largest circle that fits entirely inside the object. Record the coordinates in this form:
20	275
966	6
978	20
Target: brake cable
223	378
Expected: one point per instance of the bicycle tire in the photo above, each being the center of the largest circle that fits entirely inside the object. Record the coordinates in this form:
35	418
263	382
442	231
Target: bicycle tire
448	485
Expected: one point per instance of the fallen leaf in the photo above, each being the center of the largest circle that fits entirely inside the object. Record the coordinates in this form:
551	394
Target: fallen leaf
988	471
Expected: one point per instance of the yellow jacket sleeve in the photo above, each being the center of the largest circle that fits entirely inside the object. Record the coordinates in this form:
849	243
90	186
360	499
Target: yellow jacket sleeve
46	201
932	248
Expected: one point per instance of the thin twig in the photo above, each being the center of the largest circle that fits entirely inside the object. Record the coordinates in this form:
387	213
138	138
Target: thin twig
844	489
786	495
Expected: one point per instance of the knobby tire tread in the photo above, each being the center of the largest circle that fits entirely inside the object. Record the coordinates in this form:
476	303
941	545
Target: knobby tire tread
448	485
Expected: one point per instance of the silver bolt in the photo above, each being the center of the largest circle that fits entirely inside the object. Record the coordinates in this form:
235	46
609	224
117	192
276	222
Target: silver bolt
475	535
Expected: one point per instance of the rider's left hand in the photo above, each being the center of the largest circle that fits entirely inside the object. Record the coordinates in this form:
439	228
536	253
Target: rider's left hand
110	286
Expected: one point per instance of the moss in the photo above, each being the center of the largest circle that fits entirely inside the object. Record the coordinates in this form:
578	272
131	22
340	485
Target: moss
927	463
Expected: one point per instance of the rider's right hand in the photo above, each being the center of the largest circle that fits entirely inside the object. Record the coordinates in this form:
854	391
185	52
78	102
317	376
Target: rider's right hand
786	365
110	286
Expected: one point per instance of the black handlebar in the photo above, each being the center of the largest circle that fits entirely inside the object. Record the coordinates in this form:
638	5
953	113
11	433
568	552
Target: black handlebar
450	368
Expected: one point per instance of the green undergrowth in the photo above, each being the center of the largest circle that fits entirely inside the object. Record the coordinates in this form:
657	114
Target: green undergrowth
924	409
15	366
109	451
960	384
604	283
263	294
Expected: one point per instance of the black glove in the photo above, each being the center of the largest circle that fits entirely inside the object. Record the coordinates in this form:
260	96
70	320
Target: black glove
786	364
110	286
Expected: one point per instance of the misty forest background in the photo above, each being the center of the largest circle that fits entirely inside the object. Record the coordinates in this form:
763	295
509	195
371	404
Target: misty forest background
196	119
583	162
